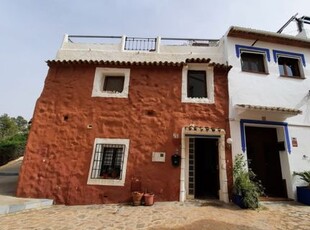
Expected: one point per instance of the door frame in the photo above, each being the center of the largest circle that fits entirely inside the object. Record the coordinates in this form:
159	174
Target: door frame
191	130
282	135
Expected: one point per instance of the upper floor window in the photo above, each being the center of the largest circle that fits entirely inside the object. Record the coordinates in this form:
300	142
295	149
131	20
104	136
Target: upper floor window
114	84
290	64
197	83
111	82
253	62
289	67
253	59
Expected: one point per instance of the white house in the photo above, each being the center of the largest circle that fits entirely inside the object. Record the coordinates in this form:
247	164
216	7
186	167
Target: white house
269	107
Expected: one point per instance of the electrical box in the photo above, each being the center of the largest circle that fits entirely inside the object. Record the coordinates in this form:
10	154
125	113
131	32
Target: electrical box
158	156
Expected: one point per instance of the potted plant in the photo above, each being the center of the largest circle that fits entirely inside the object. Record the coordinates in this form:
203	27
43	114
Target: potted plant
246	189
303	192
136	198
148	199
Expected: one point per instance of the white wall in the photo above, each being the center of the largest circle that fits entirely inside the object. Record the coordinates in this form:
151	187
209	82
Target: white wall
269	89
272	90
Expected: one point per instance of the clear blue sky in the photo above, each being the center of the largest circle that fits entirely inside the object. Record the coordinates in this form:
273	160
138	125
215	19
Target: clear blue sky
32	31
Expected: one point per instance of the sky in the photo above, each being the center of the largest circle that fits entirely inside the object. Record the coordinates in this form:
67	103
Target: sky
32	31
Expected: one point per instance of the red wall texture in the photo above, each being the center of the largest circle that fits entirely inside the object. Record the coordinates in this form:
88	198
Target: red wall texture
58	153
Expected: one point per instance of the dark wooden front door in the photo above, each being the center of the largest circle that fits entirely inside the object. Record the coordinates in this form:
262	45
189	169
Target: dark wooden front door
264	158
206	168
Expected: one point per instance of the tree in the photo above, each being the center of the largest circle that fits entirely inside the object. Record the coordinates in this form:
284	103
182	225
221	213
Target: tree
8	127
21	123
13	137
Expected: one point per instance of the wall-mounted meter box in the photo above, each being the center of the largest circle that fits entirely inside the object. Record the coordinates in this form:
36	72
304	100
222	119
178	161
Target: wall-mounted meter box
158	156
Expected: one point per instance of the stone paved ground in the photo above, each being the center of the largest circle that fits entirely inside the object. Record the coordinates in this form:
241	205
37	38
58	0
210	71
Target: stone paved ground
163	215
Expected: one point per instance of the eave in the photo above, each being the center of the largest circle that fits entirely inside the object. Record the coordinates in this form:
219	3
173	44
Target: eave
266	36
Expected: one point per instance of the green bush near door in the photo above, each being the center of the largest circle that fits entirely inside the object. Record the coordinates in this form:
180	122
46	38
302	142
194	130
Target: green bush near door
246	189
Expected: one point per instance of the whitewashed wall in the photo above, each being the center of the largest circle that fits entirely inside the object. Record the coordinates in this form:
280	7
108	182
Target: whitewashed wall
272	90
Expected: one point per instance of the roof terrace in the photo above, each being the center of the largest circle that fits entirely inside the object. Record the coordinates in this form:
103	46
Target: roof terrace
141	43
138	49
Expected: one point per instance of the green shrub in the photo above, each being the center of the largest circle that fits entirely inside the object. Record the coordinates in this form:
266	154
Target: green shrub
245	183
12	148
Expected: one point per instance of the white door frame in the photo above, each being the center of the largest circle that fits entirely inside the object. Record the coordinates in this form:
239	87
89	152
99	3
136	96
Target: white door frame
194	130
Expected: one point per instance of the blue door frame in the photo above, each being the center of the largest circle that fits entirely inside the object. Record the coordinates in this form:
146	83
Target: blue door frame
246	121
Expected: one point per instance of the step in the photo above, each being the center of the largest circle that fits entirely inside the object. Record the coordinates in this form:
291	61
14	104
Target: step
9	204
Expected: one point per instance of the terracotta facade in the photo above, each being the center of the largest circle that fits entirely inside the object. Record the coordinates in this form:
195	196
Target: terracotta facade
67	120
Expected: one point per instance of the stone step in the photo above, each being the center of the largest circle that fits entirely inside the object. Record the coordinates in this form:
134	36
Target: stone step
9	204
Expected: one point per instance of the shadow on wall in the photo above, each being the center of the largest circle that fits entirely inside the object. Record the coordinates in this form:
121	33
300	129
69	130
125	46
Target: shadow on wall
305	102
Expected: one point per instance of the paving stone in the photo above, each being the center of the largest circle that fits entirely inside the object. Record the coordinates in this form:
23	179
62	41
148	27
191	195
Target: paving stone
162	215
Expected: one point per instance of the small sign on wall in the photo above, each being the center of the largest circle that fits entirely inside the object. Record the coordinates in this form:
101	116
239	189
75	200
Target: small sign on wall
294	142
158	156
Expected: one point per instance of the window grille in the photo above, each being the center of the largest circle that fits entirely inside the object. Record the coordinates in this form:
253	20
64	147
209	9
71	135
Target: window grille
108	161
191	167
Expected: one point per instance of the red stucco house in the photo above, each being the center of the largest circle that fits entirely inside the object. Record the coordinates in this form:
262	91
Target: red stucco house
112	116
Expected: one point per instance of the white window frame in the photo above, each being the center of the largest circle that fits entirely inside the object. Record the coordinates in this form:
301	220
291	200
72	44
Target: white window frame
255	52
99	79
301	69
209	81
109	182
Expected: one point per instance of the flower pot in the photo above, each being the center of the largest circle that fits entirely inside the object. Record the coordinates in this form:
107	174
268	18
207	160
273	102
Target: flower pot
238	200
303	194
148	199
136	198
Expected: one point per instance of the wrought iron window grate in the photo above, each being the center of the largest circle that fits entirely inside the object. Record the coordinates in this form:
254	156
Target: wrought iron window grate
108	161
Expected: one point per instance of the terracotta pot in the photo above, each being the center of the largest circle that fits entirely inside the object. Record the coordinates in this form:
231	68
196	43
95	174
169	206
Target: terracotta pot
136	198
149	199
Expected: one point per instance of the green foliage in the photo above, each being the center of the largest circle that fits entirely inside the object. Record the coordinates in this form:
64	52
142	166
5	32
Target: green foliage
7	127
13	137
21	123
305	176
245	183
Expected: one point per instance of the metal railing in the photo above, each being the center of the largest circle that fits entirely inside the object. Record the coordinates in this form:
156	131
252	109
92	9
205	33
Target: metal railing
92	38
189	41
140	44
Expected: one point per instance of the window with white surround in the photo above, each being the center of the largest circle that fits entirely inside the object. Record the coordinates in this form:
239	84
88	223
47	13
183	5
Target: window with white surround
290	64
290	67
253	62
111	82
198	84
109	162
253	59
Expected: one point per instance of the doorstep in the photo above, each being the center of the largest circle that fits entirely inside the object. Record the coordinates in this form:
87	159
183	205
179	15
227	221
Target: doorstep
263	198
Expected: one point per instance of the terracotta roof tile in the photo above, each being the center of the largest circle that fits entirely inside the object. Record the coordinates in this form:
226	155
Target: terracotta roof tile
102	62
269	108
202	129
138	63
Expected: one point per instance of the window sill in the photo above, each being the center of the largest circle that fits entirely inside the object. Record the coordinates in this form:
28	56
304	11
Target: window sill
109	94
197	100
107	182
261	73
293	77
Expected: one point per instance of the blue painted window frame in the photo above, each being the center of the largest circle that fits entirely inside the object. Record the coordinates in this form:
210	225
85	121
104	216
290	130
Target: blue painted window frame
276	54
276	123
251	48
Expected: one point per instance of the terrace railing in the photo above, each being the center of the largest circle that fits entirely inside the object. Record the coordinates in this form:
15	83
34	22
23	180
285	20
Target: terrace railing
142	44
